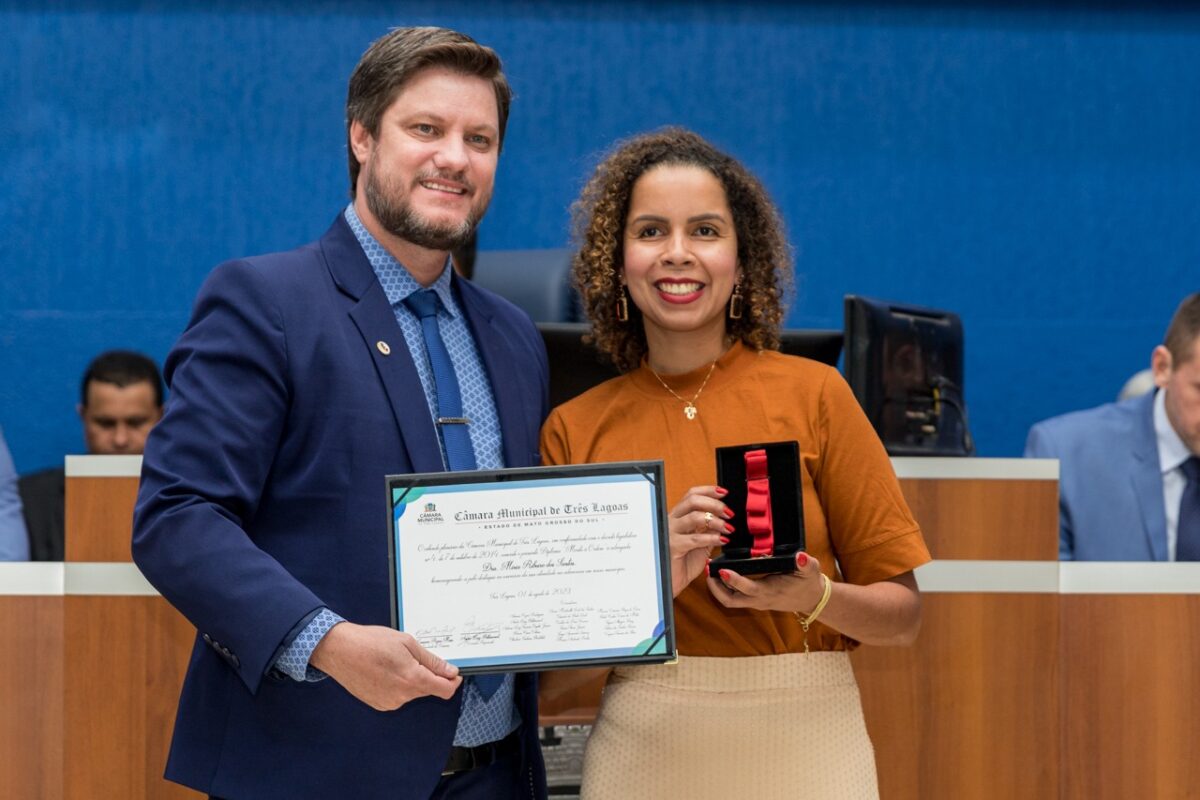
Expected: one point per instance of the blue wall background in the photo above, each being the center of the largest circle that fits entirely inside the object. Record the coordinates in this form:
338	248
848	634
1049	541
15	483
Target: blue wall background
1033	167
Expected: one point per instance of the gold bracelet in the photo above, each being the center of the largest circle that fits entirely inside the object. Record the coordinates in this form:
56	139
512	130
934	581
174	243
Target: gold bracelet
806	621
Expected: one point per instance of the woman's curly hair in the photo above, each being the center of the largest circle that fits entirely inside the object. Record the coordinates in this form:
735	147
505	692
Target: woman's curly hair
599	223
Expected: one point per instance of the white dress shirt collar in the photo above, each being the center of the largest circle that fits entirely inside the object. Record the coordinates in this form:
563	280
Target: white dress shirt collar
1171	450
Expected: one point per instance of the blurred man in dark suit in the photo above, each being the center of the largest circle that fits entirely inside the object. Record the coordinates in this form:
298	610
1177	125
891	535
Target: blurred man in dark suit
120	399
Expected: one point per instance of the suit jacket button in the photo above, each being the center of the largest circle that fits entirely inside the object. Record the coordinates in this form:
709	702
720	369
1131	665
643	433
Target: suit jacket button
207	639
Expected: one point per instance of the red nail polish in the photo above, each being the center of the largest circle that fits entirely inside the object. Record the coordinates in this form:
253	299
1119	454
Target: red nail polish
724	574
801	559
724	540
727	513
729	527
722	492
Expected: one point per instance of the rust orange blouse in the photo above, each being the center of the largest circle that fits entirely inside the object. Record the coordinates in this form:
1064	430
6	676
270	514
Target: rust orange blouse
856	521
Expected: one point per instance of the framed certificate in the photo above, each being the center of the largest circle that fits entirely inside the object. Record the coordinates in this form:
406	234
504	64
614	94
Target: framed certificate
528	569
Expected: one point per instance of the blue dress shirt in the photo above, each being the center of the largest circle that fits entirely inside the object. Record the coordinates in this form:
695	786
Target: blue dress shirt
481	720
14	541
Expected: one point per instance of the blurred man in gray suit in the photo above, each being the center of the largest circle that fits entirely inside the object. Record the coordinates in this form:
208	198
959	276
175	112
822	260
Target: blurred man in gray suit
1129	479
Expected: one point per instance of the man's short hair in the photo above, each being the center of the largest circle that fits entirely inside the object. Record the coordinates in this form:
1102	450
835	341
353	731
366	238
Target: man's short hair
1183	330
394	59
122	368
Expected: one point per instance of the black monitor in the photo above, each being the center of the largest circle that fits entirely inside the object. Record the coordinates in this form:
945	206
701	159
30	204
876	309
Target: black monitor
905	365
576	367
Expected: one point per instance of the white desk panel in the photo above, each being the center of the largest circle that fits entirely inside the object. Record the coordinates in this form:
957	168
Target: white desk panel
1025	469
946	576
104	466
907	467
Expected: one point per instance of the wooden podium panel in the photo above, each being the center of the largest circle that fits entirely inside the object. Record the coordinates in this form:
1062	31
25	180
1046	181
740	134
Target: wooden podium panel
88	683
971	711
100	494
125	661
986	519
1131	695
91	658
125	656
31	692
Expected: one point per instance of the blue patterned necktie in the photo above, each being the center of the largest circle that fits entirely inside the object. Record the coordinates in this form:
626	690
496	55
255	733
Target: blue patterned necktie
1187	541
452	426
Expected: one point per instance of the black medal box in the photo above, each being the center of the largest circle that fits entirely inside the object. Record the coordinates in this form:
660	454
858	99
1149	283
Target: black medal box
763	481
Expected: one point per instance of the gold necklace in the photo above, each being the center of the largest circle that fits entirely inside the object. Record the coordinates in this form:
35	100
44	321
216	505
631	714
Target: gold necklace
689	406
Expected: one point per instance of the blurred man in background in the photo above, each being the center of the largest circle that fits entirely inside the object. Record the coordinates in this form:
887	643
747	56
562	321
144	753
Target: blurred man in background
1129	476
120	399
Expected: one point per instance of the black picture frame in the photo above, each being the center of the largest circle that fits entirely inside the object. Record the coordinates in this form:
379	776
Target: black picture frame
403	490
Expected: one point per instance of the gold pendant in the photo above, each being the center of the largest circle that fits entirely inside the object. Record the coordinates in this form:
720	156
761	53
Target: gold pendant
690	411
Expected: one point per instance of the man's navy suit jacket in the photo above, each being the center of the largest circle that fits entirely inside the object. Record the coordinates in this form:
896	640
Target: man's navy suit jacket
262	499
1110	490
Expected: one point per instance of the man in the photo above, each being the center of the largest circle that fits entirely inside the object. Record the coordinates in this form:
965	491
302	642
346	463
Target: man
14	544
1129	485
120	399
301	381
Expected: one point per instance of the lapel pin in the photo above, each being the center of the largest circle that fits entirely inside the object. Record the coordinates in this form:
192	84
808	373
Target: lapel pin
383	347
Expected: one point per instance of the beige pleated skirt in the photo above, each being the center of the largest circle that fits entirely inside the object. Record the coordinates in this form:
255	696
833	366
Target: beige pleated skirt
761	727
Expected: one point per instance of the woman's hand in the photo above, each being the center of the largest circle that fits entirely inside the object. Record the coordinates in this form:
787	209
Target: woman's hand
697	525
886	612
796	591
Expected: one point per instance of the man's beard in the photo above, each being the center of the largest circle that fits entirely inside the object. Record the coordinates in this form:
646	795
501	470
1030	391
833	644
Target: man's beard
399	219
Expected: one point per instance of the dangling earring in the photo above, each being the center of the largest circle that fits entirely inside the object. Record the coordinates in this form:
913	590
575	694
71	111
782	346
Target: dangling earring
622	306
735	301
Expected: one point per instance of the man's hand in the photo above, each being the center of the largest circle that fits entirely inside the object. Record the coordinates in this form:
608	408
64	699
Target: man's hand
382	667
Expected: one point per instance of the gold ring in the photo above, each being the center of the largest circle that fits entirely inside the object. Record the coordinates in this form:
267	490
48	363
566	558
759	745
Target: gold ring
707	517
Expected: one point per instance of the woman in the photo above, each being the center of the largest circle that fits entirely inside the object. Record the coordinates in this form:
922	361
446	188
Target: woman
683	267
